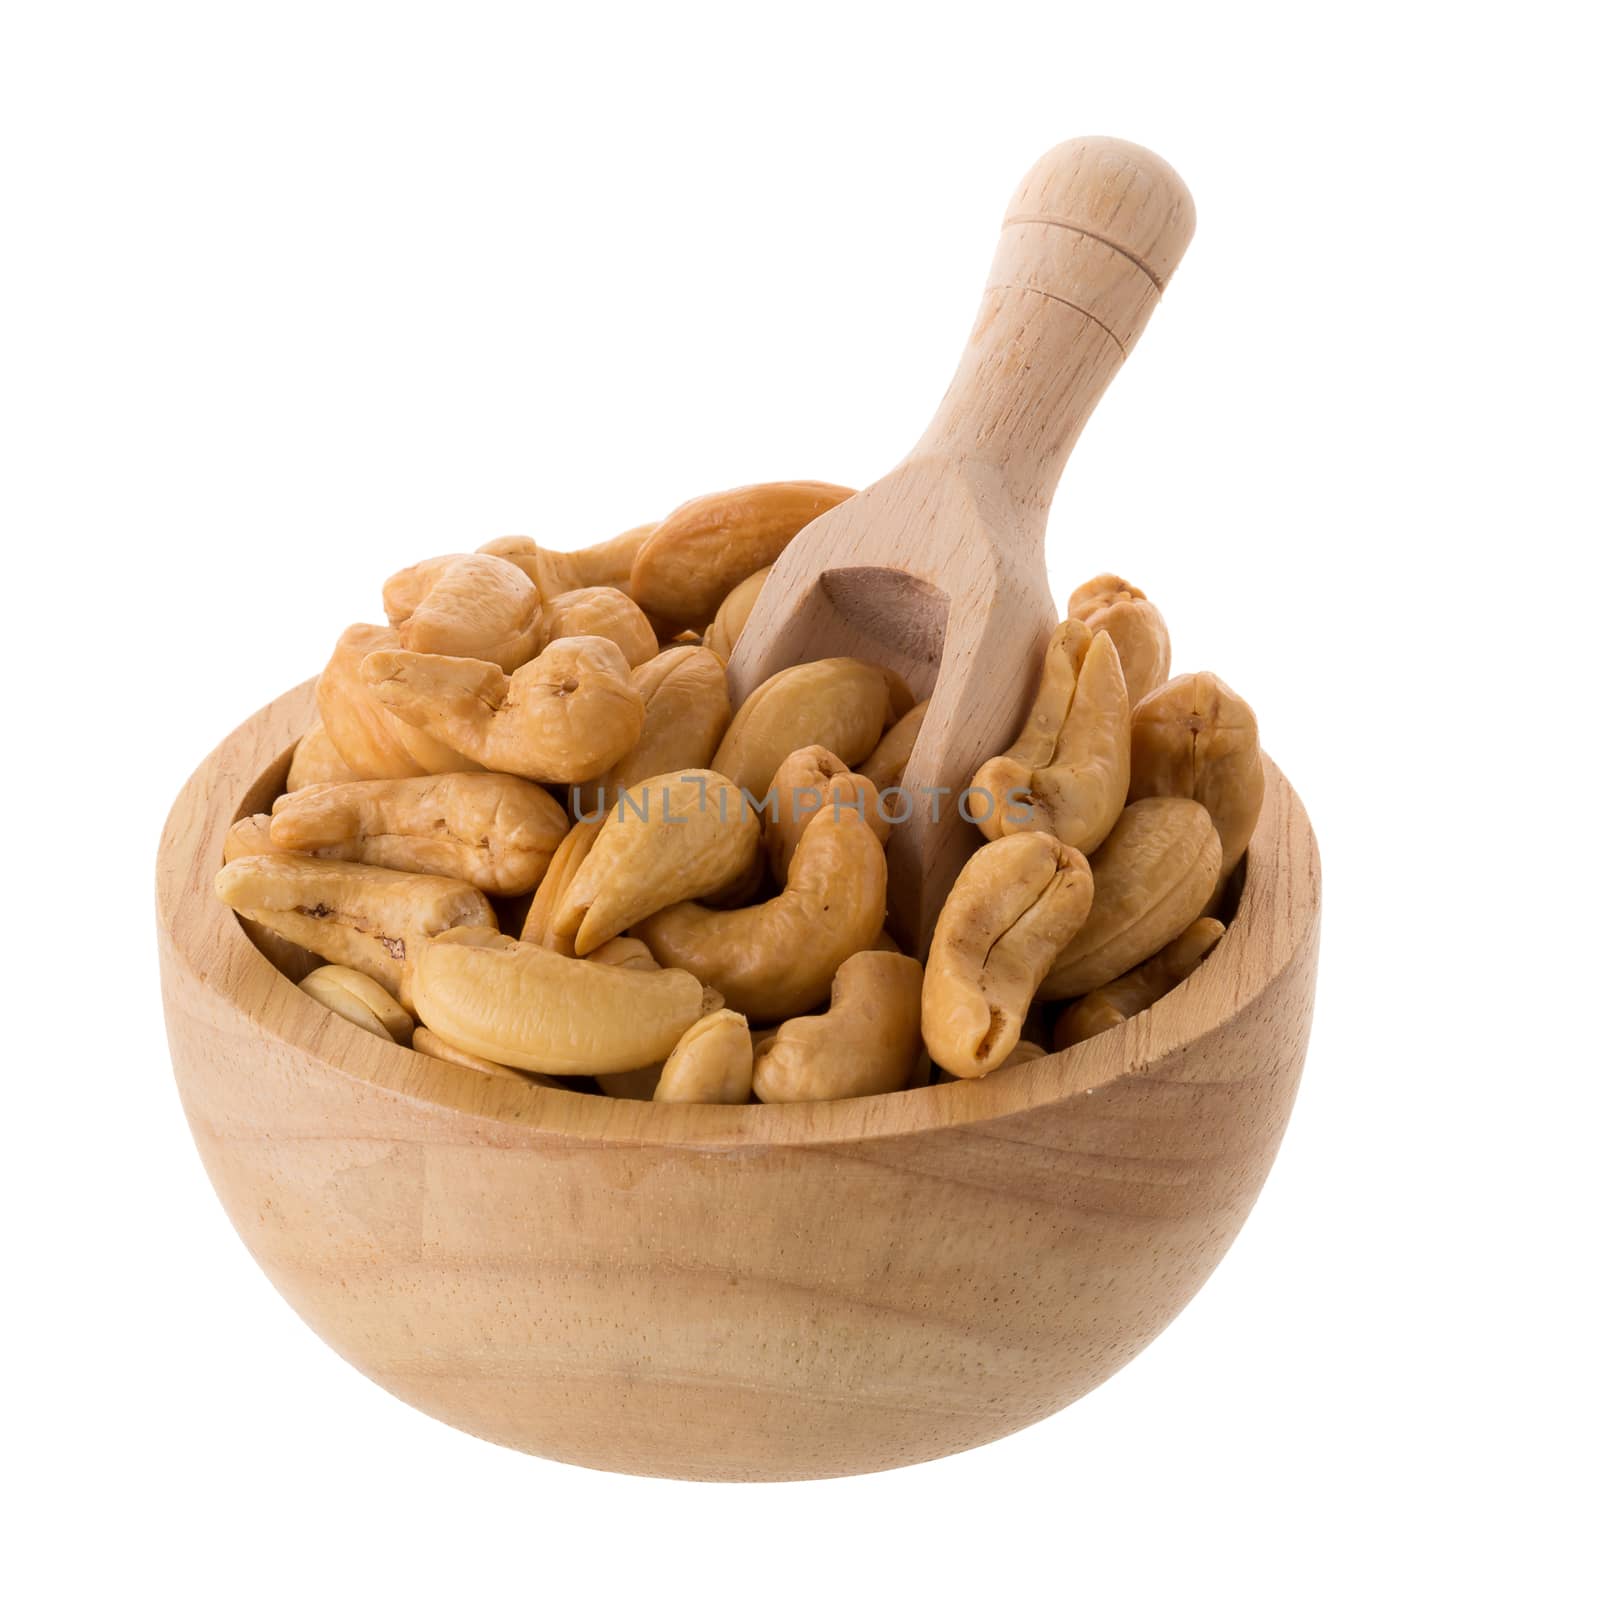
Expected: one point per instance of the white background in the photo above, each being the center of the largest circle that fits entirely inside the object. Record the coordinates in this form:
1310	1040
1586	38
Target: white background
296	294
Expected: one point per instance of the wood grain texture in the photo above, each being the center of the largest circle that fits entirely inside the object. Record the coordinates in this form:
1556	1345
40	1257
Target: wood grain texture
938	569
721	1292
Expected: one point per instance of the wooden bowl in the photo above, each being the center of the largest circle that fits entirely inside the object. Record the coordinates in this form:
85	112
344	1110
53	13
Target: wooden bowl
730	1292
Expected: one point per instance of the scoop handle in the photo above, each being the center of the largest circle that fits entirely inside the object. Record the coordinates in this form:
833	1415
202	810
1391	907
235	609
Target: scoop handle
1089	241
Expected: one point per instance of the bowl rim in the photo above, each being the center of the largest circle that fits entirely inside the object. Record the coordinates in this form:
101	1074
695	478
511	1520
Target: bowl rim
1277	913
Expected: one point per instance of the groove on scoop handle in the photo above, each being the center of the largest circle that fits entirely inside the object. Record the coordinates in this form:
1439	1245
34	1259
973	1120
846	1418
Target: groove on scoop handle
1089	242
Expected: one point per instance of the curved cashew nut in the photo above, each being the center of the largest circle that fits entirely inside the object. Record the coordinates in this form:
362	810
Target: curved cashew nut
523	1006
1113	1003
1195	738
778	958
808	782
475	606
1152	878
711	1064
493	831
1067	773
316	760
667	840
722	633
1111	605
427	1043
361	1000
840	703
565	717
538	926
602	613
554	572
695	558
1013	908
867	1042
369	739
886	766
351	914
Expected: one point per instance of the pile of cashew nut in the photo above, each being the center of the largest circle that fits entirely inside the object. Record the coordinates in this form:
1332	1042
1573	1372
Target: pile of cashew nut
543	741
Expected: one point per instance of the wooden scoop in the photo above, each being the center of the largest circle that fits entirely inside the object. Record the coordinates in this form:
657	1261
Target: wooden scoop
938	569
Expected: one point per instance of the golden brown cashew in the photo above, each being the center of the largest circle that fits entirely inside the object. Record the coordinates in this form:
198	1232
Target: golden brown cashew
1015	905
351	914
867	1042
1067	773
722	634
370	740
602	613
1113	1003
1194	737
475	606
427	1043
527	1007
490	830
777	959
625	952
886	766
807	782
1152	878
686	712
361	1000
690	564
554	572
666	840
565	717
1111	605
317	761
711	1064
539	925
840	703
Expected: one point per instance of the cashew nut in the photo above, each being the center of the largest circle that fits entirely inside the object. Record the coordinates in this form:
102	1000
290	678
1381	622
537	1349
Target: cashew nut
669	839
1194	737
1152	878
523	1006
722	633
490	830
867	1042
316	760
808	782
1067	773
625	952
351	914
1012	910
565	717
690	564
886	766
427	1043
602	613
539	925
1113	1003
840	703
711	1064
554	572
1111	605
476	606
361	1000
370	740
778	958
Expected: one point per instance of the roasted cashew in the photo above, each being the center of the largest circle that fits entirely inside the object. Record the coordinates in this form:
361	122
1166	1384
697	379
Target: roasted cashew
1113	1003
807	782
523	1006
669	839
351	914
539	925
565	717
867	1042
1195	738
840	703
887	764
1015	905
602	613
475	606
1152	878
555	572
1067	773
1111	605
370	740
493	831
691	563
777	959
316	760
427	1043
625	952
722	633
711	1064
361	1000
